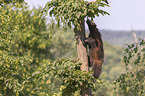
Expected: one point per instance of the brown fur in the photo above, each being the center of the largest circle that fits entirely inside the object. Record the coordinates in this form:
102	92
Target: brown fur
96	52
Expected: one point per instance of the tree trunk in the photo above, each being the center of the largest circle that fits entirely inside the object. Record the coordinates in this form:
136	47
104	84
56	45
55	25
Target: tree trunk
82	54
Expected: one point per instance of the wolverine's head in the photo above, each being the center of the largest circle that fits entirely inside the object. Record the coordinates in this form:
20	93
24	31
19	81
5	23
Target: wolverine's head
91	23
94	32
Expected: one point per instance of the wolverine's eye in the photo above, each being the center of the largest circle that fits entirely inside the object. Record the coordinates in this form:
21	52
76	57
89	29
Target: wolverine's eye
92	23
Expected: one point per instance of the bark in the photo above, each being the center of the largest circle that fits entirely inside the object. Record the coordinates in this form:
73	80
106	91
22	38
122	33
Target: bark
82	54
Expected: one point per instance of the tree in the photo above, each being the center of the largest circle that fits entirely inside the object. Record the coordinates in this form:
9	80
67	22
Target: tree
74	12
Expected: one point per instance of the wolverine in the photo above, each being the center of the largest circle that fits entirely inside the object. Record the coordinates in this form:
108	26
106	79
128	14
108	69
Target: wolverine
96	51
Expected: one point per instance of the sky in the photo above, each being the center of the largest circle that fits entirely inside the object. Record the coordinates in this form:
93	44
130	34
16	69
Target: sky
124	14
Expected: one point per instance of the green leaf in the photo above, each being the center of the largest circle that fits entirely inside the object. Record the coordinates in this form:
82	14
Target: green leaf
78	15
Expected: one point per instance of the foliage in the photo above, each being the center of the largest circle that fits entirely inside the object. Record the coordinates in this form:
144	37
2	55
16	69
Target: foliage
14	74
68	70
23	46
17	3
12	77
132	82
31	36
10	1
71	11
